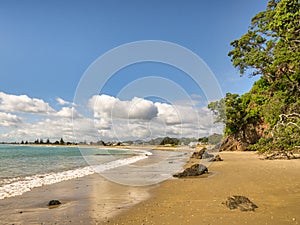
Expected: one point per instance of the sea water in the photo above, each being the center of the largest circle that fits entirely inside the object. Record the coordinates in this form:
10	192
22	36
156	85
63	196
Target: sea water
25	167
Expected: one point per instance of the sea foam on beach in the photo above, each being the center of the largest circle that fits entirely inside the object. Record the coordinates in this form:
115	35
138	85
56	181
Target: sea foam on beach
19	185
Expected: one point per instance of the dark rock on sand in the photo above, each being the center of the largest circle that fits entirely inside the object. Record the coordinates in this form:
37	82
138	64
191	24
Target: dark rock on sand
199	154
240	202
217	158
206	155
54	203
194	170
216	148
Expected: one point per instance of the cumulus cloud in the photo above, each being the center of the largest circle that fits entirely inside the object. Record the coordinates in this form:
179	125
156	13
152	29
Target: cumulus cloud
54	129
168	113
144	119
105	106
68	112
61	101
23	104
114	119
102	124
8	120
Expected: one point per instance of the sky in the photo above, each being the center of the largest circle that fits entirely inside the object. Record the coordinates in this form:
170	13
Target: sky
47	49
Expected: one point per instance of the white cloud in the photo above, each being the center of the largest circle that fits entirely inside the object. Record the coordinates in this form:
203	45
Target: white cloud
67	112
114	119
23	104
54	129
168	113
178	114
140	118
9	120
102	124
61	101
105	106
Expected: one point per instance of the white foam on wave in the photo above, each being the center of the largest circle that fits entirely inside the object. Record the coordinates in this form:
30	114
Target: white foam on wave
28	183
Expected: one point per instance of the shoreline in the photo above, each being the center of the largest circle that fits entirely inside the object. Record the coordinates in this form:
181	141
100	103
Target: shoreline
271	184
96	197
130	147
87	200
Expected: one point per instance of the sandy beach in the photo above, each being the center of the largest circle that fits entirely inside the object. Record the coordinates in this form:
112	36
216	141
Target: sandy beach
87	200
274	186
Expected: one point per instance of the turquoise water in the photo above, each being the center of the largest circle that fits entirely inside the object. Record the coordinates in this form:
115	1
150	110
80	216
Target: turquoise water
22	161
23	168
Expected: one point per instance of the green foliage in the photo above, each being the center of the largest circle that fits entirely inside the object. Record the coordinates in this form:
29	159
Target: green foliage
212	139
271	49
234	111
61	142
263	145
203	140
271	45
169	141
218	108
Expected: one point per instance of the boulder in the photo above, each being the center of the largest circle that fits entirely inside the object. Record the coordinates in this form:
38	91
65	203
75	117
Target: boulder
232	143
206	155
198	154
54	203
194	170
240	202
217	158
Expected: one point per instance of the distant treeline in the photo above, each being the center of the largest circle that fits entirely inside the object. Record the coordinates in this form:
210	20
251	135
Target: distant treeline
212	139
41	142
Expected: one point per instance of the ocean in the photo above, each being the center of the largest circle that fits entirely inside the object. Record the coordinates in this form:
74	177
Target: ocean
23	167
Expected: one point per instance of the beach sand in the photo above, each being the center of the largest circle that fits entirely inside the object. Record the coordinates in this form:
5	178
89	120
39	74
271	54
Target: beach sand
87	200
274	186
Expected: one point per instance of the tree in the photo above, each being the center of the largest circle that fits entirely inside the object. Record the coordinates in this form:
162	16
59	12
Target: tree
218	108
271	47
169	141
203	139
267	117
61	141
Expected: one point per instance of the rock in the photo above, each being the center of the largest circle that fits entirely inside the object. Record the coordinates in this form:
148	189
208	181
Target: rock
199	154
231	143
217	147
217	158
240	202
280	155
202	169
54	203
194	170
206	155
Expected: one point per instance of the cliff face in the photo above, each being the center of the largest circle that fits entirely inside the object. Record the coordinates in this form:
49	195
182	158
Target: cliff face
242	139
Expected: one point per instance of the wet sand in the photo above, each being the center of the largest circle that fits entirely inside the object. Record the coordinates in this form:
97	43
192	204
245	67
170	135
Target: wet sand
274	186
87	200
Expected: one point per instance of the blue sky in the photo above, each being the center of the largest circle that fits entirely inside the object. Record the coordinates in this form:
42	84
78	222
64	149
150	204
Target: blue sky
46	46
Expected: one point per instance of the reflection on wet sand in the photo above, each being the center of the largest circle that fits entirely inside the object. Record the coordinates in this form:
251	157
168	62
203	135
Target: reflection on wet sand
87	200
